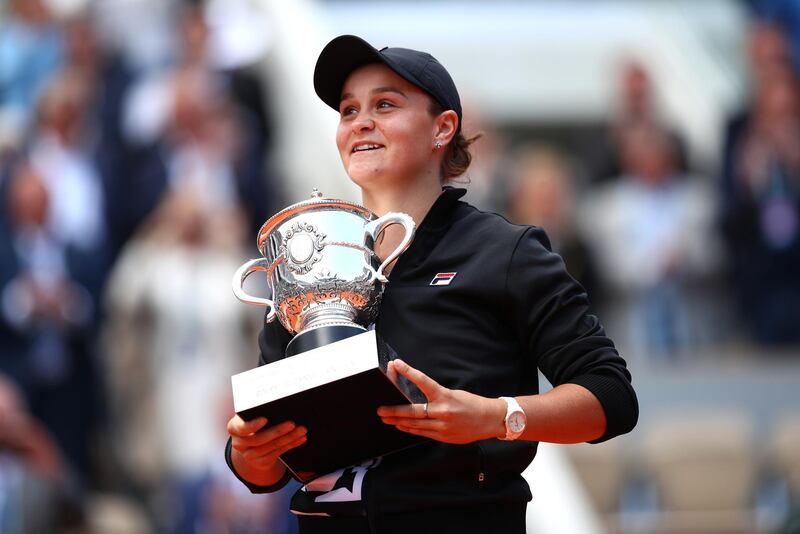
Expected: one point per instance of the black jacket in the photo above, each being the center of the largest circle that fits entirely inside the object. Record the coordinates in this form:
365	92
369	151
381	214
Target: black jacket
510	309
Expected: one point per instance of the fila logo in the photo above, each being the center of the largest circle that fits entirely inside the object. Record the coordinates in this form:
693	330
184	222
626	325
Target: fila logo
443	279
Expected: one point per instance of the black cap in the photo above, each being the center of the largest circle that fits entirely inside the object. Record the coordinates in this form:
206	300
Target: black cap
346	53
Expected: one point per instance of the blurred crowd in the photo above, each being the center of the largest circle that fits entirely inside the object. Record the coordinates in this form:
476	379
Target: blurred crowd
681	258
131	181
135	169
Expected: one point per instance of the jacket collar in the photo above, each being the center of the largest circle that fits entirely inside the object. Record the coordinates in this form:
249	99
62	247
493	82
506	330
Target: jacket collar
430	230
440	213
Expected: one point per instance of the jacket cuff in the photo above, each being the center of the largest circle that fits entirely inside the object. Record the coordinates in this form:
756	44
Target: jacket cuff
255	488
618	400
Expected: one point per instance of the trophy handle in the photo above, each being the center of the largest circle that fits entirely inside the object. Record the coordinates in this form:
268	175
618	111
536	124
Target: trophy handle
259	264
376	227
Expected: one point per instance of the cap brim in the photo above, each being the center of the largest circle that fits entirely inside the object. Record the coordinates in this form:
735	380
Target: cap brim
338	59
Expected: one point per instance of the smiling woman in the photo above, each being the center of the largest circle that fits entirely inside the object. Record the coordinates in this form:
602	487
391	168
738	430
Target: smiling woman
386	133
475	306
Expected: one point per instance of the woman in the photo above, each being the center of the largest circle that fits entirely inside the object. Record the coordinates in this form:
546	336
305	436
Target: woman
474	307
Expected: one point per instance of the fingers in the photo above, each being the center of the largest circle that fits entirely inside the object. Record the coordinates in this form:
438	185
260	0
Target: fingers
428	385
268	435
271	434
391	373
413	411
429	424
270	450
435	430
239	427
255	436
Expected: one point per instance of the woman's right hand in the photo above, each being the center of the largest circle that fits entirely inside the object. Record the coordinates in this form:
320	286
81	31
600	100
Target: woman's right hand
255	448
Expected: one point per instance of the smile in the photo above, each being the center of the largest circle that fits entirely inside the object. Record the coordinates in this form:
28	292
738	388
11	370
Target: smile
364	147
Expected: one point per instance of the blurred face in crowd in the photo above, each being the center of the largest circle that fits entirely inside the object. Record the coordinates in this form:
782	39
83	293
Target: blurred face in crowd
766	47
27	200
63	105
32	11
777	95
648	155
542	195
185	213
635	89
81	43
386	129
11	402
193	103
194	35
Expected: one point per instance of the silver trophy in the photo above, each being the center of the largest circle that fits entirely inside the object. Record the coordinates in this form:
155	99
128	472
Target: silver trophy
325	278
326	283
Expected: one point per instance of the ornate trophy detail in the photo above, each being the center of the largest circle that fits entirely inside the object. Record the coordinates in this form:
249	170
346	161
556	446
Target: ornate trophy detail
318	257
302	246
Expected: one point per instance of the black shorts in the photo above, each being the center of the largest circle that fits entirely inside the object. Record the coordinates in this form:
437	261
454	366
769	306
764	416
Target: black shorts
506	518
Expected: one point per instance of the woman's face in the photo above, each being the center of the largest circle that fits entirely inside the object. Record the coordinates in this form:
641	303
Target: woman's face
386	130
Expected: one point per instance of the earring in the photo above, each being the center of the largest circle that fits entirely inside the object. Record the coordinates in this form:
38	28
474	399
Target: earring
438	145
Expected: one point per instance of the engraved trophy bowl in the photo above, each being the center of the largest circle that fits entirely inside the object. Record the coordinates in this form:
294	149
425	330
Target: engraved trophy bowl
325	278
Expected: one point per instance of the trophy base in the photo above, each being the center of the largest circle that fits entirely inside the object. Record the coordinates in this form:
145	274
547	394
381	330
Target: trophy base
334	391
320	336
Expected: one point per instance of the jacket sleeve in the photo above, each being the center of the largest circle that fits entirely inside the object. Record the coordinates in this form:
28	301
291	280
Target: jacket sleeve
567	342
272	341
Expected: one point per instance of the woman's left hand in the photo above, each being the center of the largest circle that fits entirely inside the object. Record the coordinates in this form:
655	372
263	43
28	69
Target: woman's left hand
450	415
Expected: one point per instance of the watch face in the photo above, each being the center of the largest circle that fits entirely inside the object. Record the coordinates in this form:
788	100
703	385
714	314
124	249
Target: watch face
516	422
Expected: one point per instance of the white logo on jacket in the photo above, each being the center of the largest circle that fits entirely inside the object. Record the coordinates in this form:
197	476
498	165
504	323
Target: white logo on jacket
443	279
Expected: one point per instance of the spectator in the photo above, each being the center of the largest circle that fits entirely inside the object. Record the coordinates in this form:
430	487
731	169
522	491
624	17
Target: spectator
169	115
60	152
761	209
766	49
635	108
785	14
488	181
650	231
31	49
543	194
37	493
47	316
175	336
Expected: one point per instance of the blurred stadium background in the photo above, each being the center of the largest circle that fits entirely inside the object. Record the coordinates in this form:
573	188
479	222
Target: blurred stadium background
143	142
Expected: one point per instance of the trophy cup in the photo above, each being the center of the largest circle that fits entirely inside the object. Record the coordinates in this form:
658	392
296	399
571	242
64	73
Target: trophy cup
326	284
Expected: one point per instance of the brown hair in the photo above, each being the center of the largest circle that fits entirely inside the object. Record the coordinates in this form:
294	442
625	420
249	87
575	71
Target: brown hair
456	156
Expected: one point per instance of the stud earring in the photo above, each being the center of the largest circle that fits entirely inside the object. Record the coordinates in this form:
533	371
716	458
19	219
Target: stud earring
438	145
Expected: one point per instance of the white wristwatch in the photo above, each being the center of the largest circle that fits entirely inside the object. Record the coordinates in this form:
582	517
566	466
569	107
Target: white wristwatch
515	419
